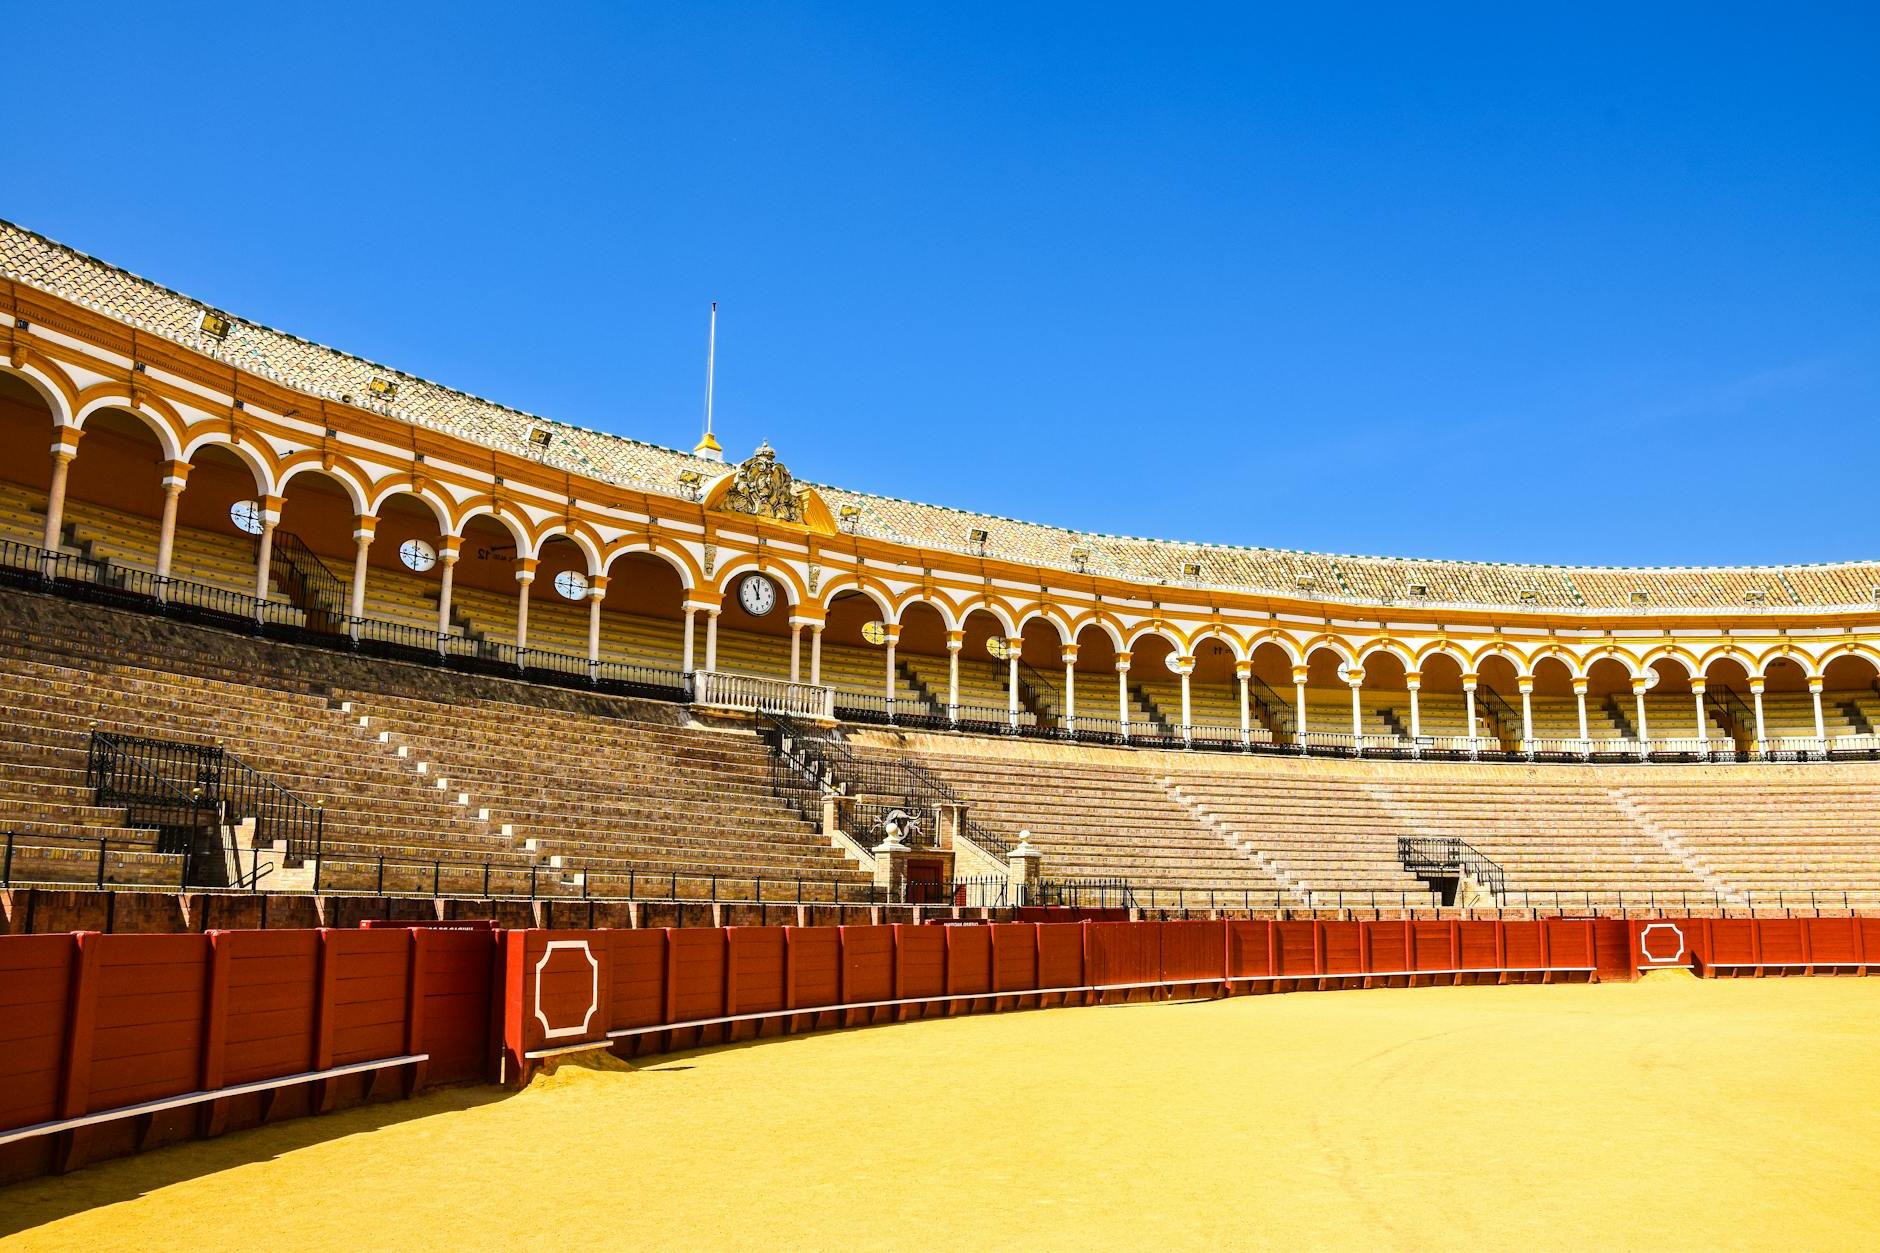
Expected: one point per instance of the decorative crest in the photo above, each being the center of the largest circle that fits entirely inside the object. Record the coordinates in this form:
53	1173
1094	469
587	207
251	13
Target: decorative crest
763	488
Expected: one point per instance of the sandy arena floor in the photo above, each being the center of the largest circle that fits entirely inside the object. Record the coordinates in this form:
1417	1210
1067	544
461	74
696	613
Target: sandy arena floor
1665	1114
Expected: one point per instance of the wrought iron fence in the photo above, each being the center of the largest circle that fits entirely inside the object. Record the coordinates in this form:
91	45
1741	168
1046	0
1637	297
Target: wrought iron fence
136	771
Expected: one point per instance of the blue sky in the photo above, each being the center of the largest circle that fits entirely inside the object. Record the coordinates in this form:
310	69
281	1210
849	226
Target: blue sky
1593	284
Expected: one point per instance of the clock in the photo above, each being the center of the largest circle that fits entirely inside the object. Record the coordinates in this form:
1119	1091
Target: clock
758	595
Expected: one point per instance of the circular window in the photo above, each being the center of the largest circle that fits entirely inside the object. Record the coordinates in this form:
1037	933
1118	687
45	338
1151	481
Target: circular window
875	633
572	584
997	646
246	515
417	555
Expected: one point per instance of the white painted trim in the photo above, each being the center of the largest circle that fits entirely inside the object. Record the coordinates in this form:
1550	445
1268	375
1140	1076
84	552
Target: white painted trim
1086	987
197	1098
550	1032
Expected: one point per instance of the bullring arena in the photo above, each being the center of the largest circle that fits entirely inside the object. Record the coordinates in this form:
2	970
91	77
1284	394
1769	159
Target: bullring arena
428	819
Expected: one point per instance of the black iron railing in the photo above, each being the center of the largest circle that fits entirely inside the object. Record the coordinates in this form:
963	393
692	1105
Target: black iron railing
1446	856
148	775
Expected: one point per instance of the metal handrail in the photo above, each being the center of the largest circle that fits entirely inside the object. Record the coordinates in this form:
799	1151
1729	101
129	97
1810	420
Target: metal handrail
138	768
1425	855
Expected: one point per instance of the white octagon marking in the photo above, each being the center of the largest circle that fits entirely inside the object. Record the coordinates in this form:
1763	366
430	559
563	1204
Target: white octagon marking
549	1030
1645	943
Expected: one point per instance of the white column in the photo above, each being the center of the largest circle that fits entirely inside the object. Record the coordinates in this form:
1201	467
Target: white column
1122	693
1069	654
448	551
955	642
264	550
1814	691
888	647
1355	679
796	652
1243	673
1415	683
1755	693
175	475
711	638
597	592
1468	697
687	651
525	579
1579	699
1698	688
1638	703
1527	711
1185	666
62	454
815	654
363	528
1013	647
1299	703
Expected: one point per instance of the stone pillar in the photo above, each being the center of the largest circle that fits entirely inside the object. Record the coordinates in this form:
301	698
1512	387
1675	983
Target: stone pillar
525	579
815	654
1014	646
1639	685
449	548
1468	697
64	448
597	592
1579	699
1526	684
1354	678
1299	704
1814	693
1698	688
264	549
956	640
1122	693
711	637
686	648
1414	682
364	525
1185	667
1068	714
1024	870
891	867
175	475
1243	674
893	631
1755	694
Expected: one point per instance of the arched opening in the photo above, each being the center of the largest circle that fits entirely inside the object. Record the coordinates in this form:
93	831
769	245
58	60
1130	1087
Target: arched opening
1214	692
754	625
643	614
1731	704
486	597
1556	710
114	493
1672	711
1041	673
1608	701
26	423
1097	688
1270	695
1850	697
1442	709
983	671
557	634
1155	689
1498	700
211	547
922	658
312	555
861	660
404	574
1385	697
1328	721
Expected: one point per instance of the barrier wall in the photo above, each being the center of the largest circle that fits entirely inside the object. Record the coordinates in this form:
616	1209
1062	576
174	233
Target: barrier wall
115	1043
126	1042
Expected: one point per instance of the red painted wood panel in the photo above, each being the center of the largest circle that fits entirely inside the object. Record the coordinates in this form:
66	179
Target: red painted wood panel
1014	956
269	1025
35	982
1298	948
1194	951
636	986
969	959
1124	952
1060	955
815	966
920	958
372	971
696	970
147	1032
458	970
867	964
757	970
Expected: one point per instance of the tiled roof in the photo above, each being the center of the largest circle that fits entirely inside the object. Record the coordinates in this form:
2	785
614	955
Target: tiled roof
320	371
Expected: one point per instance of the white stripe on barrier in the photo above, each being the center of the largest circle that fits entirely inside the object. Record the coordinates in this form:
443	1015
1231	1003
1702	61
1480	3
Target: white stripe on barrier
624	1032
197	1098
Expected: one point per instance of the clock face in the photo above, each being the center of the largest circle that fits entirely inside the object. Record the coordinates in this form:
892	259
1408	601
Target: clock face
758	595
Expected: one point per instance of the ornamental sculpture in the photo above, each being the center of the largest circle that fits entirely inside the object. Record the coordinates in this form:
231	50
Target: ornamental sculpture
764	489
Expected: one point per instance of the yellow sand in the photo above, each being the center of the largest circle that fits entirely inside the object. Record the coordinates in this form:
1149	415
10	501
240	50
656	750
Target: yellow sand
1667	1114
